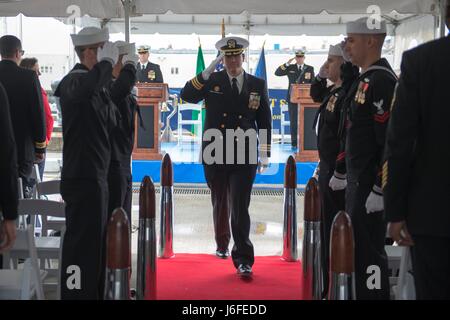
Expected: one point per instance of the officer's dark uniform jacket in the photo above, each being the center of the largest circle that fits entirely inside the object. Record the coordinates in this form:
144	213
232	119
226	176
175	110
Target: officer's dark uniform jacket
327	119
123	133
295	75
27	113
8	162
152	73
122	140
416	172
222	113
89	116
368	115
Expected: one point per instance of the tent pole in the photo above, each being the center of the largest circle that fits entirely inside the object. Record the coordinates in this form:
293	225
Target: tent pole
442	10
127	9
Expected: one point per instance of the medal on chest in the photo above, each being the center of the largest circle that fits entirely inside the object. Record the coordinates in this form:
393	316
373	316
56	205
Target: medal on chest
151	75
332	102
254	100
360	96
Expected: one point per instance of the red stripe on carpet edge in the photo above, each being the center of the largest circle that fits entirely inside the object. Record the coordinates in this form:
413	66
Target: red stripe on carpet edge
206	277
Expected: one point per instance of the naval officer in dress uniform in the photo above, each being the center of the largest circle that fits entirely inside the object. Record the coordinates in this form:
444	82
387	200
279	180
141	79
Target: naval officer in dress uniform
88	117
238	122
367	119
147	71
416	171
296	73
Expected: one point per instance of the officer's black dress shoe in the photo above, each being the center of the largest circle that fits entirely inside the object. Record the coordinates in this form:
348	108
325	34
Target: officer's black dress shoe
222	253
244	270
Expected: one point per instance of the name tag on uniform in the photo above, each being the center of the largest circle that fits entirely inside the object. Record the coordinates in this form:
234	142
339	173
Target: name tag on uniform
151	75
254	100
308	75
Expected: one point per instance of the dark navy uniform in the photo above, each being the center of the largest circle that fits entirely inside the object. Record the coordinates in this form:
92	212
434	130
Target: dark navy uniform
328	118
88	118
122	141
231	184
295	75
151	73
27	115
368	115
416	173
8	162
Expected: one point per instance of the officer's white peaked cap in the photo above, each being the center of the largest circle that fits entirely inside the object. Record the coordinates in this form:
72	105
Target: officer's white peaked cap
90	35
125	47
231	46
366	25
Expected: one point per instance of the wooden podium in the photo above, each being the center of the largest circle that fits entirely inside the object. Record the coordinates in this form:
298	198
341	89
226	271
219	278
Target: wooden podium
147	144
306	136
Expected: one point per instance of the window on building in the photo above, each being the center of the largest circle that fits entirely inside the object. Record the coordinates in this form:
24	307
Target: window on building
174	70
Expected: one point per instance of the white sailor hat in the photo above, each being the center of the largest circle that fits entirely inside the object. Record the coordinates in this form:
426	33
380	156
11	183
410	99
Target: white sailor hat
125	47
143	49
232	46
90	35
367	25
335	51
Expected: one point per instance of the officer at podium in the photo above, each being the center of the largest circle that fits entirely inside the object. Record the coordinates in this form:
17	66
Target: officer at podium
236	104
147	71
296	73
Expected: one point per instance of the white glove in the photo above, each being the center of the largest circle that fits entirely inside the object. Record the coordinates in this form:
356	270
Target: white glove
208	71
374	202
338	181
131	58
109	52
323	72
263	164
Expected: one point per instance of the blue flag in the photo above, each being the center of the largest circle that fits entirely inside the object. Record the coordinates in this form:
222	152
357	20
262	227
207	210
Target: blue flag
219	66
260	71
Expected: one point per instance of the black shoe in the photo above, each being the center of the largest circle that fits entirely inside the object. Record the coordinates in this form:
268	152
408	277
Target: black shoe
222	253
244	270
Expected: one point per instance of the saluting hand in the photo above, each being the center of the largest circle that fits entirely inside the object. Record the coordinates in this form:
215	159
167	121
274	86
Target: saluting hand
290	60
208	71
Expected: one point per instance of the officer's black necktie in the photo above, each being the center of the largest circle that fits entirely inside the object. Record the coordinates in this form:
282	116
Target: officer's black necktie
234	89
143	67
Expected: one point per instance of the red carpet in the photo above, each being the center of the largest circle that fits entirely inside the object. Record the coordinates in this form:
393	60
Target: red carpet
205	277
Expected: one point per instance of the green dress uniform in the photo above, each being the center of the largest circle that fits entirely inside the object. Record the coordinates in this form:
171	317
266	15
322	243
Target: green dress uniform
231	181
416	173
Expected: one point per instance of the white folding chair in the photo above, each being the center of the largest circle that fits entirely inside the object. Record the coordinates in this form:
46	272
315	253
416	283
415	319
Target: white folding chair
196	122
283	122
48	248
45	190
401	280
23	283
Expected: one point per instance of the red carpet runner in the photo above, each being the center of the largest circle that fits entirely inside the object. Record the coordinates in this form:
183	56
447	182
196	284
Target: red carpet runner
205	277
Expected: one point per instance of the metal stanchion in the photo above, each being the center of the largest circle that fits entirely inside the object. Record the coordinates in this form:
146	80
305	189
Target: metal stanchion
342	279
290	212
146	259
166	209
118	257
312	244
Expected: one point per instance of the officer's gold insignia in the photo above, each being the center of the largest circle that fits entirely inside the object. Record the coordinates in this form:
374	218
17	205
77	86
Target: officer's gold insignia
308	75
254	100
231	43
151	75
216	89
